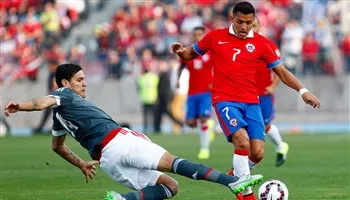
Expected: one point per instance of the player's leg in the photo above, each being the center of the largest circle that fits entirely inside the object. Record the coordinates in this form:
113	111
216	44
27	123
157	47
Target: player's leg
165	187
192	114
234	127
256	135
144	120
268	113
160	109
43	121
169	163
204	110
137	170
281	147
178	111
191	111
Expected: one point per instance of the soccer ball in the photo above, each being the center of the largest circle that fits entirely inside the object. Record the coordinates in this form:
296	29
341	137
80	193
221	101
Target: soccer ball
273	190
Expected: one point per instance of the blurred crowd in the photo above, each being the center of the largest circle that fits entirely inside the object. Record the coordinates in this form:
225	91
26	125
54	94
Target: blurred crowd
30	35
140	33
310	34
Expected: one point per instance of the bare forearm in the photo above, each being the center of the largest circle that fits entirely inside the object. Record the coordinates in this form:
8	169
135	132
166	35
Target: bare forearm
69	156
29	105
290	80
36	104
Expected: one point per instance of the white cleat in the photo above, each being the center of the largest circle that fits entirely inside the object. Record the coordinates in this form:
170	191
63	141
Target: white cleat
111	195
244	182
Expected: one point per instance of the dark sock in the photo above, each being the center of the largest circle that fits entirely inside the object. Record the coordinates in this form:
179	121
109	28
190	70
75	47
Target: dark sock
157	192
201	172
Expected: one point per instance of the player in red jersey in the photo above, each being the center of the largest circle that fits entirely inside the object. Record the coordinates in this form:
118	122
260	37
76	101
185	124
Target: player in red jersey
266	82
236	54
199	98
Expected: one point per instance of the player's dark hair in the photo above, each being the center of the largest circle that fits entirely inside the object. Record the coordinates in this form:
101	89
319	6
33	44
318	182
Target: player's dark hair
244	7
66	71
199	28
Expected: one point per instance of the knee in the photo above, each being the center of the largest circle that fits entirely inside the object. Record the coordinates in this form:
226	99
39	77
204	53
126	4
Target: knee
203	119
257	154
191	123
267	128
241	141
173	186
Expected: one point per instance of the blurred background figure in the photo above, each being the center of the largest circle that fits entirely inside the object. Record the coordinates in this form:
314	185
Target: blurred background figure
310	55
165	94
292	44
179	82
147	85
199	103
114	65
54	56
345	47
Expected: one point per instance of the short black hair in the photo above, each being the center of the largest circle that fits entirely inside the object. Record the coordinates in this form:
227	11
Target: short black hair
244	7
66	71
199	28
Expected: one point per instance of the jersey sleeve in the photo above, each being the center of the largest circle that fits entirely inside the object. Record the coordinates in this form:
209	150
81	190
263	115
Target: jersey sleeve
204	44
269	56
63	96
275	48
57	129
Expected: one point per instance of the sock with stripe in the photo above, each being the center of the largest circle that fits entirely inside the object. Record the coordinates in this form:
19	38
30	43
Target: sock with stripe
204	136
251	163
201	172
275	137
157	192
241	165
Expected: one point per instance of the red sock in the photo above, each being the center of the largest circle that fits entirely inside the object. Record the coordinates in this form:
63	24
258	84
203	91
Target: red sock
239	196
231	172
249	197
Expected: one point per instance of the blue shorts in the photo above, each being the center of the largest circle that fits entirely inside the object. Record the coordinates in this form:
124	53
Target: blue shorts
267	109
198	105
234	116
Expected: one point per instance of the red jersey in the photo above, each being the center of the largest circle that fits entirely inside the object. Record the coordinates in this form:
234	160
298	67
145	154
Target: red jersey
201	74
264	76
235	62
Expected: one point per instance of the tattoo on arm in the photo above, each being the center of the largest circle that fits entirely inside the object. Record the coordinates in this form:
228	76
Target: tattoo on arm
35	104
75	157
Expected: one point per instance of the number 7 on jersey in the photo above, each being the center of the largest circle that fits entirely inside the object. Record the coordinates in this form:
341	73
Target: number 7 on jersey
237	51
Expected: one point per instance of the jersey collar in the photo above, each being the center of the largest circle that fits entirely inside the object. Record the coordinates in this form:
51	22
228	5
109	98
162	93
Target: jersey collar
250	34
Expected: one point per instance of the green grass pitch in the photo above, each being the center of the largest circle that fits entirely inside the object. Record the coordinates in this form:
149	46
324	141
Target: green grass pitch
318	167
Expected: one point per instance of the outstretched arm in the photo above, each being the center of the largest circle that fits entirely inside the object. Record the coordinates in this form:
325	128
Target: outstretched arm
185	53
289	79
88	168
36	104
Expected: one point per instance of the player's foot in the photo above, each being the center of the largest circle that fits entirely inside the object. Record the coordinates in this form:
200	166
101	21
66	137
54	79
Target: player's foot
211	124
203	154
282	154
231	172
111	195
239	196
249	197
244	182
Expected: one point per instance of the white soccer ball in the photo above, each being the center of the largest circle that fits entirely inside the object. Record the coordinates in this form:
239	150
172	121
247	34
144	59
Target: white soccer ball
273	190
